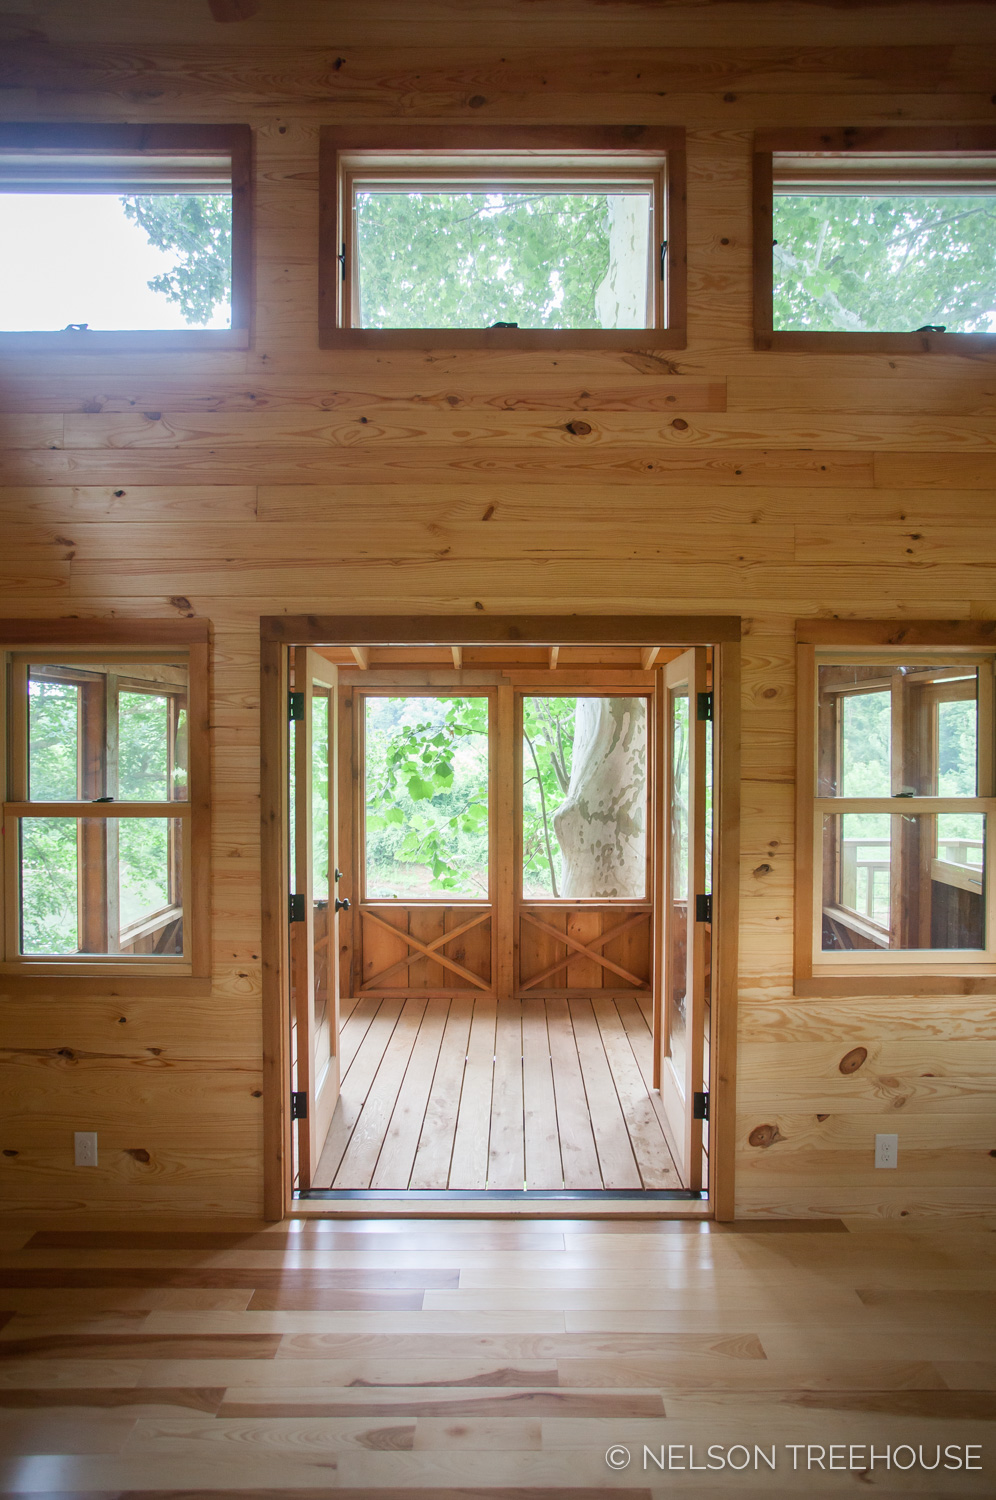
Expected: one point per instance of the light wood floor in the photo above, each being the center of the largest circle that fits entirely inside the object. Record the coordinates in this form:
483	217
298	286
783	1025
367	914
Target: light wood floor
413	1359
464	1094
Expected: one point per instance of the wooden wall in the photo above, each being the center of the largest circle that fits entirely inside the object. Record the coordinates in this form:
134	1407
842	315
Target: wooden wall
288	479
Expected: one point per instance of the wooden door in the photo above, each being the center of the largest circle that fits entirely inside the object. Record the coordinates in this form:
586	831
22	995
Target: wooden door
686	932
314	945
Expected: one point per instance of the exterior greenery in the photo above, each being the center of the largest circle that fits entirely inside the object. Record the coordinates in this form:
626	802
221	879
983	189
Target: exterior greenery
198	227
885	262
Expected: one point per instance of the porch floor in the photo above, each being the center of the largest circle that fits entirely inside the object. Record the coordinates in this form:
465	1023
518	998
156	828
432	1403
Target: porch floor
464	1093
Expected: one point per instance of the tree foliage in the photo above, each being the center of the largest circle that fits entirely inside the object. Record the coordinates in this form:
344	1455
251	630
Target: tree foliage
197	228
468	260
885	262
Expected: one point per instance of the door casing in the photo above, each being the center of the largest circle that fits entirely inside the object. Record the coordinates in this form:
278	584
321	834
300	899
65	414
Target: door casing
280	632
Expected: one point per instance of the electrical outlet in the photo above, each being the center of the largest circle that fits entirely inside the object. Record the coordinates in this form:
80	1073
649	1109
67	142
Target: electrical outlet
887	1151
86	1148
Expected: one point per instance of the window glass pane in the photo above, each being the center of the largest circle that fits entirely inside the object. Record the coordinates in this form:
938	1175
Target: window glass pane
884	260
584	798
426	797
957	724
932	708
537	258
49	886
320	797
903	882
111	262
53	739
677	916
145	859
143	747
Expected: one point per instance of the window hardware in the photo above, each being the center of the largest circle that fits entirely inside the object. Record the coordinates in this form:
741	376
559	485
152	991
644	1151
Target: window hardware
295	706
703	908
338	876
704	706
341	258
932	328
299	1106
297	908
76	328
700	1106
663	256
504	325
101	799
342	905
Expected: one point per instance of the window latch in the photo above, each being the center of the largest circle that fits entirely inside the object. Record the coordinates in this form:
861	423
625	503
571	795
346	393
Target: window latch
663	256
932	328
76	328
341	258
503	325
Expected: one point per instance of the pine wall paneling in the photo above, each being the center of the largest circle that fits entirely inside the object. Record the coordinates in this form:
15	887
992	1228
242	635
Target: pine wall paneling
285	479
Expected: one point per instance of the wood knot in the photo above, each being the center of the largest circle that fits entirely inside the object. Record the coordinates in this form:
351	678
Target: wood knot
821	1118
579	429
180	601
14	1153
852	1061
762	870
138	1153
476	100
679	424
765	1136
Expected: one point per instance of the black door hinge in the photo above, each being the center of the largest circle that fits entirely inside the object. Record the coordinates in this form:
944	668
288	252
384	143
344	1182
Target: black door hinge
297	908
295	706
663	256
704	706
299	1106
703	908
700	1106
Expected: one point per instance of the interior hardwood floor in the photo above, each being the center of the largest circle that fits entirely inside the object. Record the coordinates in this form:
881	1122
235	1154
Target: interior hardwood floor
416	1358
464	1093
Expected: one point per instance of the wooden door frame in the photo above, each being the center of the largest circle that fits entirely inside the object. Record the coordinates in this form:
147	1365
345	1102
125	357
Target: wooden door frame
279	632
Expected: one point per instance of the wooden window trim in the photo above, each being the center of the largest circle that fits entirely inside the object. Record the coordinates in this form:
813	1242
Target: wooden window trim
121	641
928	140
903	975
233	140
596	144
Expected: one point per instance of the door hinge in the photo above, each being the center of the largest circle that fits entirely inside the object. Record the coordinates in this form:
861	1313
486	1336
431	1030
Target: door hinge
299	1106
704	708
297	912
663	256
703	908
295	706
700	1106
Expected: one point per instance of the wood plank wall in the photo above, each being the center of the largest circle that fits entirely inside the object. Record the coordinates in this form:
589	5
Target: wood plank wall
288	479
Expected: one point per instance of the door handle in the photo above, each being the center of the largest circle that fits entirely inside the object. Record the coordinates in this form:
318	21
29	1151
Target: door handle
342	905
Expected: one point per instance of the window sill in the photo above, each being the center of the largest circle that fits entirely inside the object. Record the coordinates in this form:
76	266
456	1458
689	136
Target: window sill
804	341
528	340
123	341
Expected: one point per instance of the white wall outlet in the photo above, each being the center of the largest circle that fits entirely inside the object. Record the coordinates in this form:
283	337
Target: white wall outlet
86	1148
887	1151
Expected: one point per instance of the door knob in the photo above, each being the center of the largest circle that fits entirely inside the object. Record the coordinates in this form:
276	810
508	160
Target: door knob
342	905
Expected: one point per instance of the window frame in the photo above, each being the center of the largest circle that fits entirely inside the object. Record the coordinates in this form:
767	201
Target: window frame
909	972
959	140
598	152
65	643
233	140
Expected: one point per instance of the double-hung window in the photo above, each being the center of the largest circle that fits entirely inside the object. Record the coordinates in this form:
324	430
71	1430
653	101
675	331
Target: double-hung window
116	237
509	237
897	809
104	831
876	239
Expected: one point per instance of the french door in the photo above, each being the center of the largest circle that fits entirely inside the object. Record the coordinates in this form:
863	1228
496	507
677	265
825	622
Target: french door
687	907
314	904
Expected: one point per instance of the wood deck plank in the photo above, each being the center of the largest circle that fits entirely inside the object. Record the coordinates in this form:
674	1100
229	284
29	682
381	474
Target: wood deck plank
356	1086
506	1155
469	1167
615	1151
397	1155
645	1134
543	1164
431	1168
577	1140
360	1157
